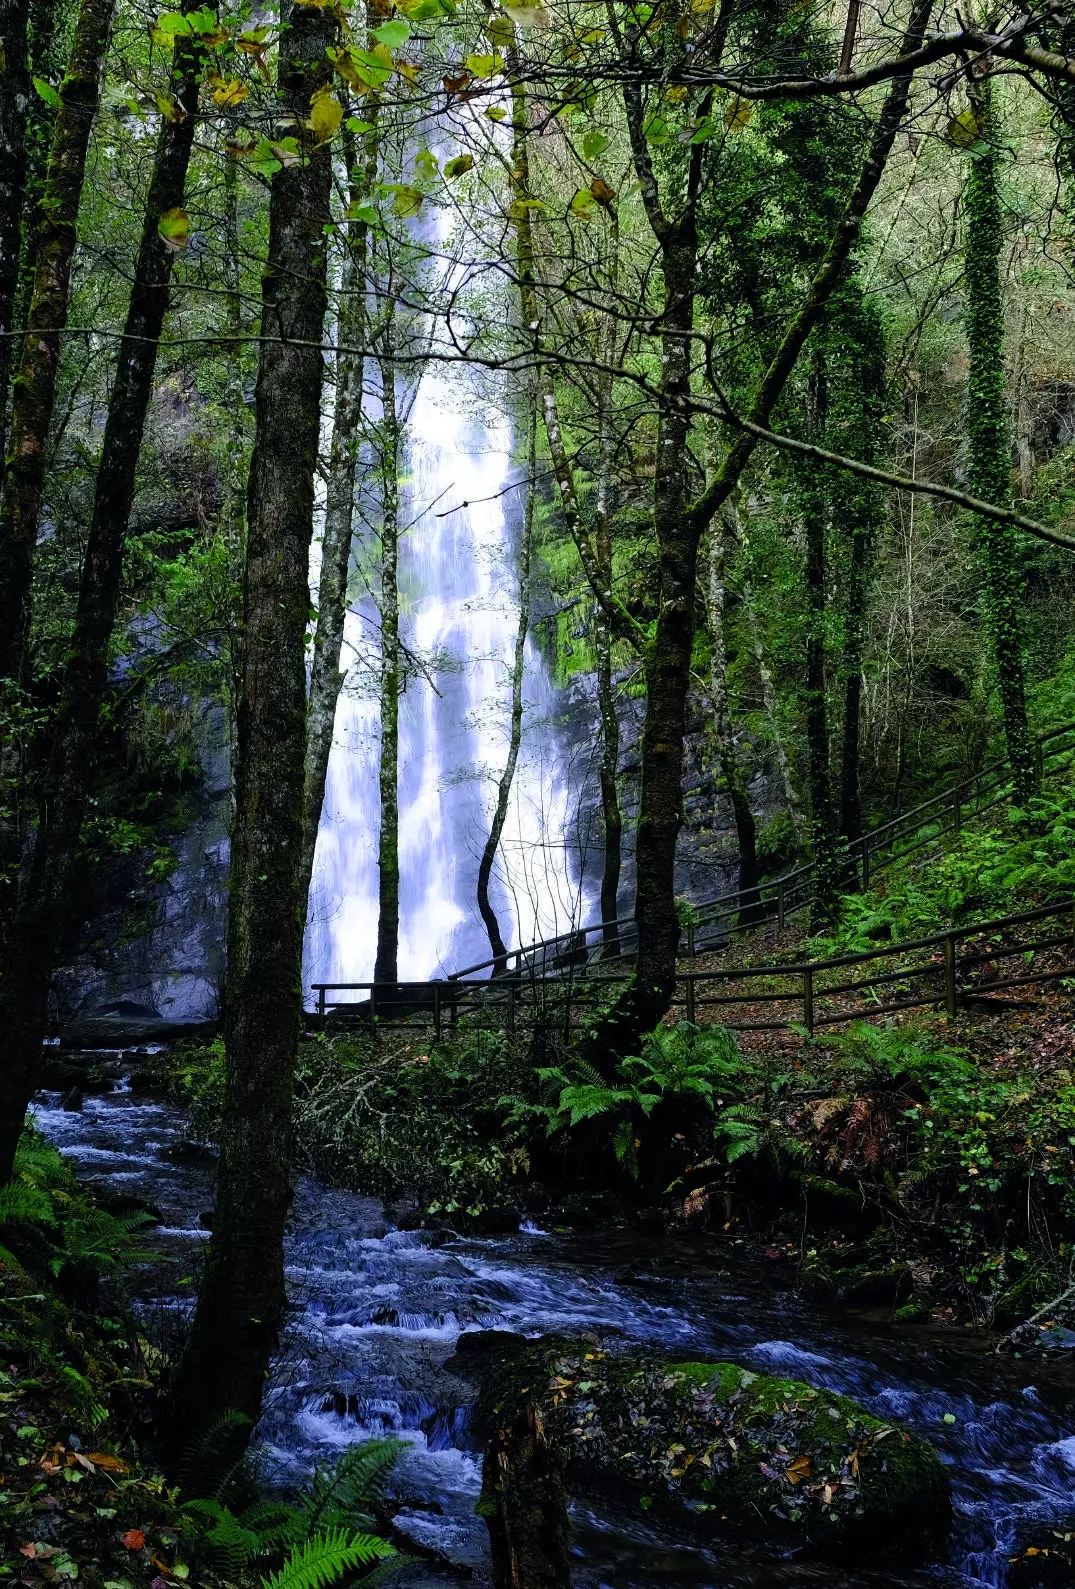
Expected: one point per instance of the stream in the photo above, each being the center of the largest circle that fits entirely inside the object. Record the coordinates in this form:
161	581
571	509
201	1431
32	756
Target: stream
377	1312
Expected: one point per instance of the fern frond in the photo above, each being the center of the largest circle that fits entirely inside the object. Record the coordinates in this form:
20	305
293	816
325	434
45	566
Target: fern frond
326	1558
208	1464
344	1493
25	1204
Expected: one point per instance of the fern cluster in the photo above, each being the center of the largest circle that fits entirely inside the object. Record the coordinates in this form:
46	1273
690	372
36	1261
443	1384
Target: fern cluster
326	1533
43	1211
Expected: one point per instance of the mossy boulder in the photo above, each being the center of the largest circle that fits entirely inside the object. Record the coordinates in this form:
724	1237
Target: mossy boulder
775	1459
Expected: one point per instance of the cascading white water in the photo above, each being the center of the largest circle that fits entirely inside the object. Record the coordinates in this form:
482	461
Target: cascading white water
461	506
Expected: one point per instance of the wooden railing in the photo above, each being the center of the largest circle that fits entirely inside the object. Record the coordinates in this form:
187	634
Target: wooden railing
779	899
945	969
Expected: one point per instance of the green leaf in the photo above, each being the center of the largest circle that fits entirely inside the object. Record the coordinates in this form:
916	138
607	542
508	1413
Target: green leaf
496	113
594	144
173	229
393	33
965	129
656	130
425	165
583	204
47	93
484	65
456	167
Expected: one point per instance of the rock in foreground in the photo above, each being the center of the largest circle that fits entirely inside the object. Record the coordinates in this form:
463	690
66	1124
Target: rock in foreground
770	1458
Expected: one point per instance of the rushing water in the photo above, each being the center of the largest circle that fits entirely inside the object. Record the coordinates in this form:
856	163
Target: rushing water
377	1312
461	511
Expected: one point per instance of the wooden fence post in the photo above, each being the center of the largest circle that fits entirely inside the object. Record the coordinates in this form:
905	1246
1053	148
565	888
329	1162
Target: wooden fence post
951	992
321	1009
865	860
808	999
690	938
436	1012
373	1005
780	905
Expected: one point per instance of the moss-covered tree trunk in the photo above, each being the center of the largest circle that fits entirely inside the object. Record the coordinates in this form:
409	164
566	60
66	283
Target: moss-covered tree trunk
35	386
45	909
15	93
989	452
241	1299
498	948
858	342
386	965
728	757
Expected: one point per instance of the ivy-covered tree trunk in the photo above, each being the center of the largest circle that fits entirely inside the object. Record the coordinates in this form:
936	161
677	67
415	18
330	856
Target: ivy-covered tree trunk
989	454
241	1299
326	678
35	388
15	93
608	767
728	757
386	965
45	909
858	345
498	948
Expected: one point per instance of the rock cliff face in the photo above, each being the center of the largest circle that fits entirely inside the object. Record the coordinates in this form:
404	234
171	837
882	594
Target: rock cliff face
707	859
152	952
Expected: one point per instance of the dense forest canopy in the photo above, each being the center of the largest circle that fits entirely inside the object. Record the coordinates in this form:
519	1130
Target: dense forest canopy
766	310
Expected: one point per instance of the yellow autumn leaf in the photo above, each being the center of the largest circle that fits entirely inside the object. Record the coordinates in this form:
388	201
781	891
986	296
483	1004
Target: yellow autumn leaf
326	113
738	114
170	110
226	90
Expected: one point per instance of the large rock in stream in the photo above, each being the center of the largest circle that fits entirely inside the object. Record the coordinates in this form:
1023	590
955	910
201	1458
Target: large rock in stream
725	1449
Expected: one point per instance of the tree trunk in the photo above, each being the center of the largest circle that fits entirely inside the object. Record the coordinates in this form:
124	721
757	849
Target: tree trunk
241	1300
44	49
15	91
772	711
386	966
497	946
611	816
679	523
857	513
326	678
524	1503
35	389
667	658
46	909
989	443
731	767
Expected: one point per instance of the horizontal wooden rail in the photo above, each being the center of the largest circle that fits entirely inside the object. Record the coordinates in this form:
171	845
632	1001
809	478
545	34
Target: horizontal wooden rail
941	978
782	897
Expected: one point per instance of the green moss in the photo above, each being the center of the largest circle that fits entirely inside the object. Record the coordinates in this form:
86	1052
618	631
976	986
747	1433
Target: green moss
751	1452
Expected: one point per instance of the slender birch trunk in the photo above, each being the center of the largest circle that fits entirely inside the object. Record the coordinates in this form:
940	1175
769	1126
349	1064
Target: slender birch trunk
728	757
386	965
326	677
497	946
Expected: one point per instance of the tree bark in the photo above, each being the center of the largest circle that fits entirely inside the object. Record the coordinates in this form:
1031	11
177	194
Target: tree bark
604	508
524	1502
386	965
497	946
988	439
15	93
46	908
679	523
731	766
241	1300
326	677
35	389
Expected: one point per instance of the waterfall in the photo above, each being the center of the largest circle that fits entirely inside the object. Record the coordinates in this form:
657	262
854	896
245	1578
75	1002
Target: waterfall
461	507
